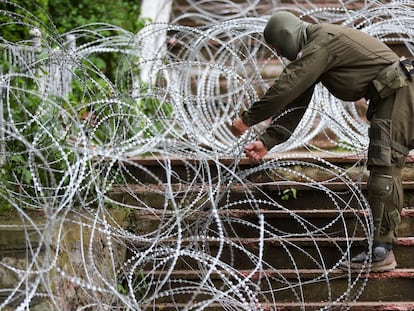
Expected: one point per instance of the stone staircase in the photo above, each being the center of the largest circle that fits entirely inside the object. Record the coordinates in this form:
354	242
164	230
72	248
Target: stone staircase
271	242
217	260
302	271
203	241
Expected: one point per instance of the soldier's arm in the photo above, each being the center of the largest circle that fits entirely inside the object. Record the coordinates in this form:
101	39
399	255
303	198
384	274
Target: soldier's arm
282	126
297	77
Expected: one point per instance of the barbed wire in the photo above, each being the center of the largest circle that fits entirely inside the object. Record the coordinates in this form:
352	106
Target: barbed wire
103	231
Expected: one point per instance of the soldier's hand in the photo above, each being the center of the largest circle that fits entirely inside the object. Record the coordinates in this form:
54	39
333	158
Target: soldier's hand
255	150
238	128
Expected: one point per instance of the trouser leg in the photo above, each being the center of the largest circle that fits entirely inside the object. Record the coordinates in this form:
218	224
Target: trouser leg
390	132
385	197
385	200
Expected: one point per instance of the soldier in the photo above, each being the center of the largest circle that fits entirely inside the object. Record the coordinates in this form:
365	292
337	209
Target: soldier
351	65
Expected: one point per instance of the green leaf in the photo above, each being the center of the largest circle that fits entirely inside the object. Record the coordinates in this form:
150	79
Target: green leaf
121	289
287	193
294	193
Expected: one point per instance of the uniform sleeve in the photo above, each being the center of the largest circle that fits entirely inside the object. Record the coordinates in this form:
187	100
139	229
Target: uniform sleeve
295	79
283	126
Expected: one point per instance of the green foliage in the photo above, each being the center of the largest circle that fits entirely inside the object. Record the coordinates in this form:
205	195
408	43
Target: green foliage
154	109
18	17
342	146
60	16
70	14
33	117
122	290
92	95
66	15
5	207
289	193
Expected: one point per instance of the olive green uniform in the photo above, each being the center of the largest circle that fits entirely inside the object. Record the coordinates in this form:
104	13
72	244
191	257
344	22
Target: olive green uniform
351	65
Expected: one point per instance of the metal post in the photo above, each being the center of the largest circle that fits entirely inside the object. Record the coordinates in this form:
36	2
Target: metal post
36	36
156	12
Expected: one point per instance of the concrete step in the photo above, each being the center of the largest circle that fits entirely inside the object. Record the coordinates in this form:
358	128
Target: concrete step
281	253
280	286
308	306
19	239
323	193
304	236
310	163
311	176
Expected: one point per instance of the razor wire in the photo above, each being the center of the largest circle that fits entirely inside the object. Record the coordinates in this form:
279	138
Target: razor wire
73	181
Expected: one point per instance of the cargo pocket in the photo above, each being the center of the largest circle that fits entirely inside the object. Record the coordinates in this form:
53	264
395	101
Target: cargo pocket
379	149
380	186
394	219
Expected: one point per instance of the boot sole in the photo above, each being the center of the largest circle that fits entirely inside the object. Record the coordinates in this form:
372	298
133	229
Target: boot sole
384	268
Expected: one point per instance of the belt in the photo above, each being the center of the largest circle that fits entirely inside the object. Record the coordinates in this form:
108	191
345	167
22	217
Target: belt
387	170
